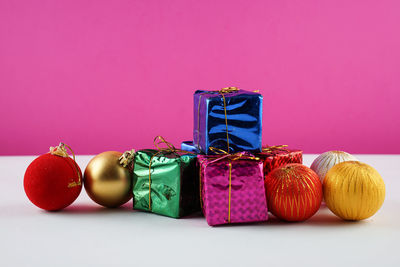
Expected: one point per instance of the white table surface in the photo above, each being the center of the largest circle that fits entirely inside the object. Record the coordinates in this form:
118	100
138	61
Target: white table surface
86	234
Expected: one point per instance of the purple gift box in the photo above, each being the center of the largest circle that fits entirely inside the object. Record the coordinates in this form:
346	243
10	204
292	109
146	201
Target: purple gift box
232	189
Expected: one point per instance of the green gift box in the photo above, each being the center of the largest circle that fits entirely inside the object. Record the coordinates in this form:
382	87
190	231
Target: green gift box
166	182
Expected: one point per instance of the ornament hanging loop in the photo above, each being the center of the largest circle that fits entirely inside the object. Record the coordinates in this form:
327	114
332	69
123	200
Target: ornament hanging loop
127	158
61	151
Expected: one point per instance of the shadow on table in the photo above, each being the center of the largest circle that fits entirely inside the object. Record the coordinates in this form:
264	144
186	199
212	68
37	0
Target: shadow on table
323	218
97	209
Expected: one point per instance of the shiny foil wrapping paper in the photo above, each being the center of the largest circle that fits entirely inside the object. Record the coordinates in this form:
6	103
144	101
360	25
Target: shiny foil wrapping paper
189	146
244	120
247	200
174	183
278	158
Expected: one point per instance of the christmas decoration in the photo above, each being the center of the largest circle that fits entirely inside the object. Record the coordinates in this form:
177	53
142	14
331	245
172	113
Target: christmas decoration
294	192
106	181
53	180
224	172
277	156
166	180
228	119
232	188
353	190
324	162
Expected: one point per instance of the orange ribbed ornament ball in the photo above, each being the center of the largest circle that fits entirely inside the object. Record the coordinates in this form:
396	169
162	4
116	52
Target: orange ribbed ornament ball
294	192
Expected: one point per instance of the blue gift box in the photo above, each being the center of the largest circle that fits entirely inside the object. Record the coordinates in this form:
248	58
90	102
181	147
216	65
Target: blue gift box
189	146
230	120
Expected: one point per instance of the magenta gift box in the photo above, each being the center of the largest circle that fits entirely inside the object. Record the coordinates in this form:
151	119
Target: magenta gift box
244	178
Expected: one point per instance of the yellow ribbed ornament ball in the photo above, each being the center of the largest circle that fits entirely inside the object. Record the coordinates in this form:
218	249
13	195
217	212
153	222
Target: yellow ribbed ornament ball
353	190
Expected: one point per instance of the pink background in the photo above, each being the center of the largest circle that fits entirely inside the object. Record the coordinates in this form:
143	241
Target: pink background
111	75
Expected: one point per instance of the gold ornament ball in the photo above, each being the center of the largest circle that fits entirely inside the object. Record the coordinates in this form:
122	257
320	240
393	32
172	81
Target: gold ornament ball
106	182
353	190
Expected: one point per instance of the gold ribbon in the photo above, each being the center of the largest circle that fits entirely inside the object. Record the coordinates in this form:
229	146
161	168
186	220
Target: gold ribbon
170	148
268	149
227	90
230	157
61	151
223	91
235	156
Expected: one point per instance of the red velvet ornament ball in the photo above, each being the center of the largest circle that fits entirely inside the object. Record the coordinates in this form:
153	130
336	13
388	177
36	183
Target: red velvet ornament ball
53	180
294	192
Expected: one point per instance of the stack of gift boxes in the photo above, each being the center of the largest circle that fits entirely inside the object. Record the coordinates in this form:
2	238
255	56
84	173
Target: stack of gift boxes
221	171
